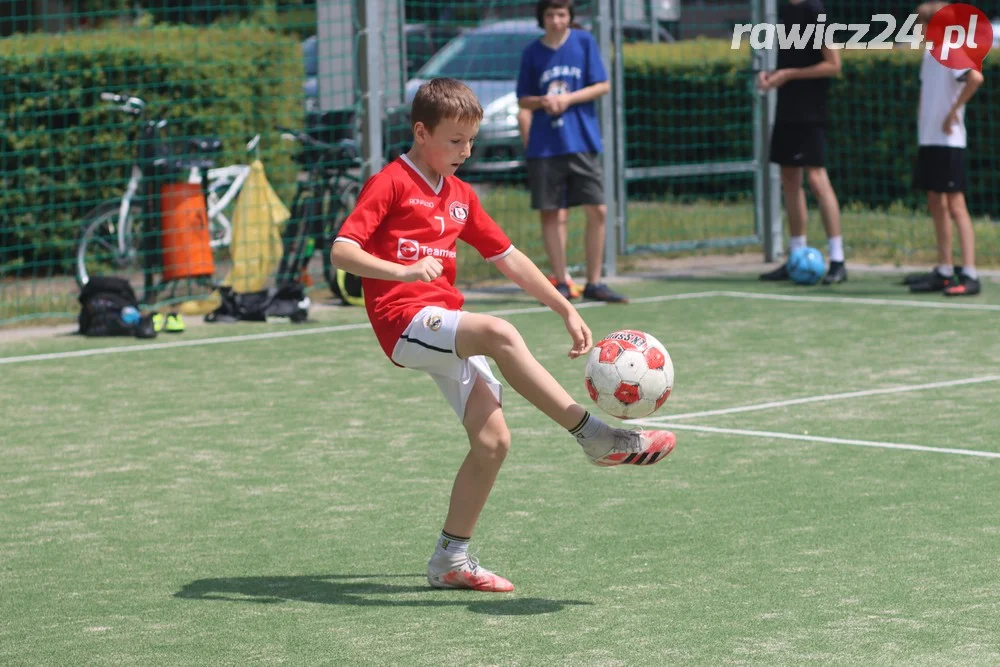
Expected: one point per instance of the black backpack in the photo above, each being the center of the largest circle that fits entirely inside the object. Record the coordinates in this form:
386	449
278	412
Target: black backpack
289	301
102	300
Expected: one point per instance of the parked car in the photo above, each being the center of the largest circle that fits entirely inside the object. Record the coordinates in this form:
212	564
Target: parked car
488	59
423	40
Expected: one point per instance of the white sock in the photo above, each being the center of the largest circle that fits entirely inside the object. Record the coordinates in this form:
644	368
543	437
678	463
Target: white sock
796	242
835	246
589	428
451	547
946	270
970	272
593	435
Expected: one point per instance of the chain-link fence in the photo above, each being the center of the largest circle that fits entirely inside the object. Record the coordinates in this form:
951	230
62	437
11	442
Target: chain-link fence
109	105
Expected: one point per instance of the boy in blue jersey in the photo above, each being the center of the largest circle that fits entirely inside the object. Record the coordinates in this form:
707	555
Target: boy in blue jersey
561	76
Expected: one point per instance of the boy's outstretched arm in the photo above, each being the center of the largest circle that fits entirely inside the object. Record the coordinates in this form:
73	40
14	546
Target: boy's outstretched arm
529	277
351	258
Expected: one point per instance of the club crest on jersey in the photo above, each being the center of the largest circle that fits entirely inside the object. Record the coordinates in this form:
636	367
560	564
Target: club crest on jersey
433	322
459	212
407	249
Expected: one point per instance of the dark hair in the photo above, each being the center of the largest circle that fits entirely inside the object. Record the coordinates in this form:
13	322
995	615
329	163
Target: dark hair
443	98
544	5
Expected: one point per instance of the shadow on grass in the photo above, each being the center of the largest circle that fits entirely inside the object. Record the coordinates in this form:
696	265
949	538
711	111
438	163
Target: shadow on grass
362	590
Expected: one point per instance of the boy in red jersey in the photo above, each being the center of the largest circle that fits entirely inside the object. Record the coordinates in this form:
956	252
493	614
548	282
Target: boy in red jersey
401	239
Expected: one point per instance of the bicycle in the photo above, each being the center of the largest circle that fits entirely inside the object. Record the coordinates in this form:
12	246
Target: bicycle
112	232
327	189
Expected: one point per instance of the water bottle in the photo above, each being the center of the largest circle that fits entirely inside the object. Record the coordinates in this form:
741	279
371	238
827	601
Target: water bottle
130	316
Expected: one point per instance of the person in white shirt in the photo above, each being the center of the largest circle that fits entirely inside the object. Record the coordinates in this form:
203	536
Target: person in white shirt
941	168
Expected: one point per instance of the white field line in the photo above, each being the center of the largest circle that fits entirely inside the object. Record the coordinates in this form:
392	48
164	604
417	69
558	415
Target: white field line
826	397
815	438
942	303
303	332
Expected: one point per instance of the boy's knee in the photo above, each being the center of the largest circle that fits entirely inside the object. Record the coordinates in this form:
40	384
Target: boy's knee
493	446
817	179
501	334
956	204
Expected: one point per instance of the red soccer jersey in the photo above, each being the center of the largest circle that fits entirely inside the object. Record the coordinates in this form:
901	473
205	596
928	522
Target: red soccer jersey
400	217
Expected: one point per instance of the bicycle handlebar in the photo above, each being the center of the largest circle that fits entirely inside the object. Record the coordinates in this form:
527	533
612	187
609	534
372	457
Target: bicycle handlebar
127	103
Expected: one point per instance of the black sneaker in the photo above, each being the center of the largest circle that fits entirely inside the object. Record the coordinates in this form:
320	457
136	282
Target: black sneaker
964	286
933	282
563	289
601	292
914	278
780	273
836	274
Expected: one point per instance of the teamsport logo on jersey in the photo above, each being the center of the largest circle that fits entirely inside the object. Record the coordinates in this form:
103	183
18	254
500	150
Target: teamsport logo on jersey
421	202
407	249
410	250
459	212
958	36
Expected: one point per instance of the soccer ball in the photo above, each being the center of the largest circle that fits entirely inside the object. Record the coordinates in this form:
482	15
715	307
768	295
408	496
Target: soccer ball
629	374
806	266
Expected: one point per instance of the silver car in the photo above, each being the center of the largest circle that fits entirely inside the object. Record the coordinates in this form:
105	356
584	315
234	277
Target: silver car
487	59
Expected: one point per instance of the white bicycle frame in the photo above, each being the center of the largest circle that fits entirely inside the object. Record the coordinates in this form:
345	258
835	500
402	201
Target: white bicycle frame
235	175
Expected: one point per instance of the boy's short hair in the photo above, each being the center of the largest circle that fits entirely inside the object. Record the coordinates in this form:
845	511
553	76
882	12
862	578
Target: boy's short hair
444	98
544	5
928	9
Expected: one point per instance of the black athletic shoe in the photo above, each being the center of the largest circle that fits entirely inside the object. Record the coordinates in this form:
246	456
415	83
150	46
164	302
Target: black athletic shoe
563	289
780	273
913	278
601	292
836	274
964	286
933	282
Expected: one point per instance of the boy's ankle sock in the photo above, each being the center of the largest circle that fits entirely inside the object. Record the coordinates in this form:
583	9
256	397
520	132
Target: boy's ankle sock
946	270
589	428
796	242
970	272
593	435
451	547
835	248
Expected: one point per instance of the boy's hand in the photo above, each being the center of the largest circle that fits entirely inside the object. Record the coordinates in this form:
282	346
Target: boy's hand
776	79
583	340
555	105
762	80
950	120
426	269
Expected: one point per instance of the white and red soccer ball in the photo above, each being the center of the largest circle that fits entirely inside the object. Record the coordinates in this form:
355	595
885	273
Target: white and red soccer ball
629	374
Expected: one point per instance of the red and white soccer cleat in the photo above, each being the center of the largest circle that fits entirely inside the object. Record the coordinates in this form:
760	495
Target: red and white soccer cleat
465	574
638	448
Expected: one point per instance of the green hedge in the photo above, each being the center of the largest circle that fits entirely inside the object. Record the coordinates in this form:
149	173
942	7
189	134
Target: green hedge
63	150
691	102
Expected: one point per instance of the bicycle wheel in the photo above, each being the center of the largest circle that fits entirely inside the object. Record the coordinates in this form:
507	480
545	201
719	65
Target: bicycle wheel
98	251
341	206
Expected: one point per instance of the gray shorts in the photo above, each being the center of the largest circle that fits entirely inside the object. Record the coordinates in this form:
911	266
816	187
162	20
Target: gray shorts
565	181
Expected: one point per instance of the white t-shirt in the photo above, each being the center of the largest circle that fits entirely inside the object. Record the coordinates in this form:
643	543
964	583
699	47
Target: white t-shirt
940	86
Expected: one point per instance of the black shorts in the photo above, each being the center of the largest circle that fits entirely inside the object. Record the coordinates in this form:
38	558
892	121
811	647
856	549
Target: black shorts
798	144
940	169
564	181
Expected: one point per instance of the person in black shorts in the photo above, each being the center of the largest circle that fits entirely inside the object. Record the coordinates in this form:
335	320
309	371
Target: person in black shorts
941	168
798	139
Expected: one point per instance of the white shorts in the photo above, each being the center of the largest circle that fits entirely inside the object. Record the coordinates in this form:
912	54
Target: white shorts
428	344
